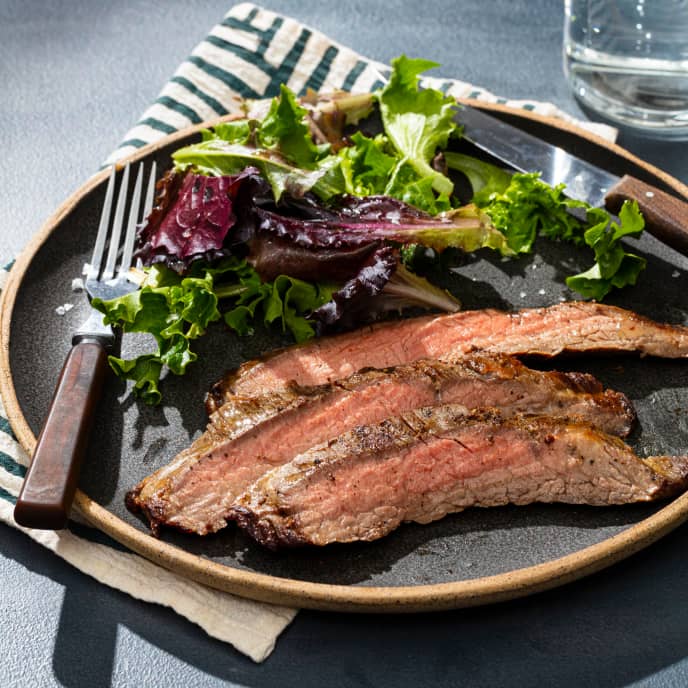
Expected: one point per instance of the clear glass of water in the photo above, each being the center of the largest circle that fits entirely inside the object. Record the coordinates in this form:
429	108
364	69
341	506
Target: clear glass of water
628	60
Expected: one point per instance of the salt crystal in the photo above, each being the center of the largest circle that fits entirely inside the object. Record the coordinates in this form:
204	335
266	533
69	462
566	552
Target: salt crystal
61	310
77	284
541	292
523	295
675	273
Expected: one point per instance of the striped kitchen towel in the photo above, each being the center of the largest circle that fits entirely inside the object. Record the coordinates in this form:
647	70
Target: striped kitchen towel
248	55
251	627
252	51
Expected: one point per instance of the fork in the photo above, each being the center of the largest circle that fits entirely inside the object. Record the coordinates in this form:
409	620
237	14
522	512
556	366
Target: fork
51	480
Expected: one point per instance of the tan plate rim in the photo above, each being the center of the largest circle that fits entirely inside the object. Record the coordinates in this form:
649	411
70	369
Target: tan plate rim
489	589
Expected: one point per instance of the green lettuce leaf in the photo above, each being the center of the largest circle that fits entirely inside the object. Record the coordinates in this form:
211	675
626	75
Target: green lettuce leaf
485	179
528	207
218	157
523	207
280	146
285	129
289	298
367	165
177	310
613	267
371	167
237	131
144	371
417	123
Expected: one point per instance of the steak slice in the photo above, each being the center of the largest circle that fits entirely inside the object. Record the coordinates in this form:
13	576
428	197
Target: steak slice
432	462
248	436
566	327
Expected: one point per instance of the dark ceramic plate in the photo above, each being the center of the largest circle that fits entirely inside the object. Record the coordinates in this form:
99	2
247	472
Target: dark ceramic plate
468	558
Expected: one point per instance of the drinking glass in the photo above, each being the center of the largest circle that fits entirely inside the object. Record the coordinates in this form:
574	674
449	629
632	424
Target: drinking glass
628	60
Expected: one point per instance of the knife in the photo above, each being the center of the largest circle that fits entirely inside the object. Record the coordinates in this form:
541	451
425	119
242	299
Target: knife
666	217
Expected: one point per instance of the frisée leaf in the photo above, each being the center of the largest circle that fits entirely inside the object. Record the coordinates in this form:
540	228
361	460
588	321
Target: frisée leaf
176	310
523	207
614	267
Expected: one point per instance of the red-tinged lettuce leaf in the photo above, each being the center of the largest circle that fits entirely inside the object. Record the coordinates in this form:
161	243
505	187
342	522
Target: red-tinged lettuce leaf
382	284
193	216
271	257
356	221
346	305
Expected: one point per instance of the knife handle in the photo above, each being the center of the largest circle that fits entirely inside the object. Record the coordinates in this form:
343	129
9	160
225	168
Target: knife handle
666	217
46	496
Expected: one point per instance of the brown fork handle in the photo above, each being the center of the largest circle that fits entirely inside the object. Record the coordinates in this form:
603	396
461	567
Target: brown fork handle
666	216
50	483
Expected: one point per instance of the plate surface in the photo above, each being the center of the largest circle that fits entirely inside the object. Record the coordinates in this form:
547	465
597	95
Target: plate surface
471	558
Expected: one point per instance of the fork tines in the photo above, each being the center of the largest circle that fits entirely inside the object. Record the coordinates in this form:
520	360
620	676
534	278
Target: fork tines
109	234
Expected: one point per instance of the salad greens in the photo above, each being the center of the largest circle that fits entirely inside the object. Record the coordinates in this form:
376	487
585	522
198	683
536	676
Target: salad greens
522	207
177	309
613	267
295	220
284	130
218	157
417	123
395	163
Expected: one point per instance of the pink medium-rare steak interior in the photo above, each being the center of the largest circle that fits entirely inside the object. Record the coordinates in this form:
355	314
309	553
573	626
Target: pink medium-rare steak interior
247	437
566	327
432	462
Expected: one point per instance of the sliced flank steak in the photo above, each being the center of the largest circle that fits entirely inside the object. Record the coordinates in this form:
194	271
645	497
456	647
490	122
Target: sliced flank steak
565	327
431	462
248	436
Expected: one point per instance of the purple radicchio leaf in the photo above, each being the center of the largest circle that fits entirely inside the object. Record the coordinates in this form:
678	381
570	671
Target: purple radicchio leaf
271	256
351	301
193	216
354	221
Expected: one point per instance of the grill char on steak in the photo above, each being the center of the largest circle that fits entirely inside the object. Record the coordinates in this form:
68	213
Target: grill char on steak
431	462
565	327
248	436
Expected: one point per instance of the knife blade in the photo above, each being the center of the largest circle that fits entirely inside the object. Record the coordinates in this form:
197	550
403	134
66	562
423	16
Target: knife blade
666	216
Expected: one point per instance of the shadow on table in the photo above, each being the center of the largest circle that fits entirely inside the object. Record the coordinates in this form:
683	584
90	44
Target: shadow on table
612	629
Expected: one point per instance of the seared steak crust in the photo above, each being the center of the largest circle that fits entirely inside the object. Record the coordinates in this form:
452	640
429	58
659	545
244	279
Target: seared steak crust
565	327
431	462
248	436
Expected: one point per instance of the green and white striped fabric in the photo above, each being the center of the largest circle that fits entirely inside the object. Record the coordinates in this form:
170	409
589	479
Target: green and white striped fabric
252	51
248	55
251	627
